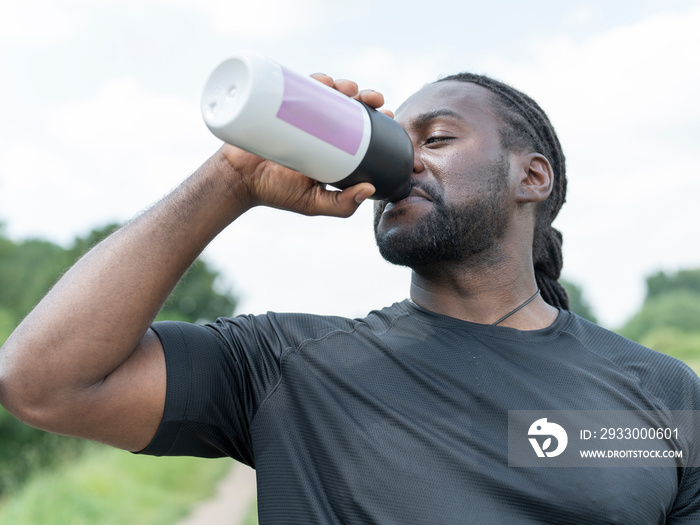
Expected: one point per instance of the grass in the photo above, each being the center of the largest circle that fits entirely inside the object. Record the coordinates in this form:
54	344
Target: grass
113	487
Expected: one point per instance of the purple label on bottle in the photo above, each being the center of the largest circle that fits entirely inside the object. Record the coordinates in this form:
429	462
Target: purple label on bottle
326	116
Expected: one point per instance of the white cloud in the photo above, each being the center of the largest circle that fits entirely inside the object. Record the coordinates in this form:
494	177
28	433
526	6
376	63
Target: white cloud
21	163
645	73
261	19
583	14
40	22
34	184
37	22
397	74
103	158
124	117
148	142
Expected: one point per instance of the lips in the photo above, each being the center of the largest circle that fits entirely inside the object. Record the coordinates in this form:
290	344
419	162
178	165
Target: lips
416	195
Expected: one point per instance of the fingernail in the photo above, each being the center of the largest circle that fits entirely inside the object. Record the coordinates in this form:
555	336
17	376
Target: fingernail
361	197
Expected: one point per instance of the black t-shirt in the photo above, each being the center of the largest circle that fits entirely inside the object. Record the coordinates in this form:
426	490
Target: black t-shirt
401	417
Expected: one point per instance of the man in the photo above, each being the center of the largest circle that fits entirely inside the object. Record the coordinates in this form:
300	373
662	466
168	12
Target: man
401	417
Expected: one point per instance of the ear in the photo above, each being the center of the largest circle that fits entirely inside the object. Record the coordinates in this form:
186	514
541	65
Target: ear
536	178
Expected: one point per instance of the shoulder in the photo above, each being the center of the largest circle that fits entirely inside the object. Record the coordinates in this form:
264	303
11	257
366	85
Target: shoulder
666	377
293	329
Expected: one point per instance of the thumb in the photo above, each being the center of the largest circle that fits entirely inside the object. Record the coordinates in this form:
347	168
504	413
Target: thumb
345	203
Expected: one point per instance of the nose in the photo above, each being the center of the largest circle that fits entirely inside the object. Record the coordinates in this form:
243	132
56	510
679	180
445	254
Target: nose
418	165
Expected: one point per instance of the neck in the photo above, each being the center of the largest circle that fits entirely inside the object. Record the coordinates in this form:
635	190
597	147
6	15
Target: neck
483	293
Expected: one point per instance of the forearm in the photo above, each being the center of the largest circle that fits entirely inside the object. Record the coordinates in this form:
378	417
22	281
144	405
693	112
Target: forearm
95	316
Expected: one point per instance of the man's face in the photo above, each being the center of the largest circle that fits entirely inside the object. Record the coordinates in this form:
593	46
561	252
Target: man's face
459	207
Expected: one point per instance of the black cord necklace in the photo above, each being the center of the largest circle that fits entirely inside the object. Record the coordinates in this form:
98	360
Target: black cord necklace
518	308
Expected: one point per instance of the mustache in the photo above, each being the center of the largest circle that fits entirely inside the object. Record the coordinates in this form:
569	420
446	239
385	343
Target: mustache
431	189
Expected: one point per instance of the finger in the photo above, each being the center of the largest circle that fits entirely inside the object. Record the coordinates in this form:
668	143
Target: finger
347	87
361	192
323	78
344	203
371	97
388	113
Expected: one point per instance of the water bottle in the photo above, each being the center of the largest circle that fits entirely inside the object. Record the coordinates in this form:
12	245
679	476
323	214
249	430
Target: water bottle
258	105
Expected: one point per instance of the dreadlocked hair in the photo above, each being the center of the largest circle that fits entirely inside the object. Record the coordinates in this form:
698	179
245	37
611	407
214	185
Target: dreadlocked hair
527	126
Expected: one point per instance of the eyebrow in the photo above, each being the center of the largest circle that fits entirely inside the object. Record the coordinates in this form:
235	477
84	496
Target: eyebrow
424	118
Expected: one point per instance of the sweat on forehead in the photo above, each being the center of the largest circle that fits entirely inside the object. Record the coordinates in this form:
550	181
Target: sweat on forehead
437	99
464	105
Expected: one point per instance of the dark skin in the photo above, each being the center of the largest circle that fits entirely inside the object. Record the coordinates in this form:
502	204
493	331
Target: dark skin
85	363
450	147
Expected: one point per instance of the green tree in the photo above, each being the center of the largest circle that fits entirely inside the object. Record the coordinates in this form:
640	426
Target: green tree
27	271
684	280
677	309
682	345
669	319
196	299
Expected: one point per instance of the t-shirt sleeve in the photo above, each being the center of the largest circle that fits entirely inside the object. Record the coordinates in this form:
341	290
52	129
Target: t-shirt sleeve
217	375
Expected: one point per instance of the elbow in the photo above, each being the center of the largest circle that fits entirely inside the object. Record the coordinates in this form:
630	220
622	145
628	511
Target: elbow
17	403
27	407
23	396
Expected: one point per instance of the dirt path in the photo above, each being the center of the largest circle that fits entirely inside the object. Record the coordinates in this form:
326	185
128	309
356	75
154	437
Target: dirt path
229	506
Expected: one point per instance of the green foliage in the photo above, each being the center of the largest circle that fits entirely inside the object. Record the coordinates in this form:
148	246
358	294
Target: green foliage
684	280
678	309
25	450
27	271
669	319
195	298
112	487
8	321
577	302
682	345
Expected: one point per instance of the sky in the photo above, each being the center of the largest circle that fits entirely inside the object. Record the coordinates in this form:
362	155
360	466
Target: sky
100	118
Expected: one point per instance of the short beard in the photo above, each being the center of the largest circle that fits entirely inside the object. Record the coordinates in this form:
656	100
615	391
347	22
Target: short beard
467	233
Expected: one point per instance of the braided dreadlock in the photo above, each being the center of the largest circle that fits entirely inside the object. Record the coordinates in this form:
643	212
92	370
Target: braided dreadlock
527	126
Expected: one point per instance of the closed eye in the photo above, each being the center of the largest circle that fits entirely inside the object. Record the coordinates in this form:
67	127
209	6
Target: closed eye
437	139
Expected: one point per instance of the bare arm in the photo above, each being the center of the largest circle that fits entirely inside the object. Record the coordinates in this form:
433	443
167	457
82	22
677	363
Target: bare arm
84	362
